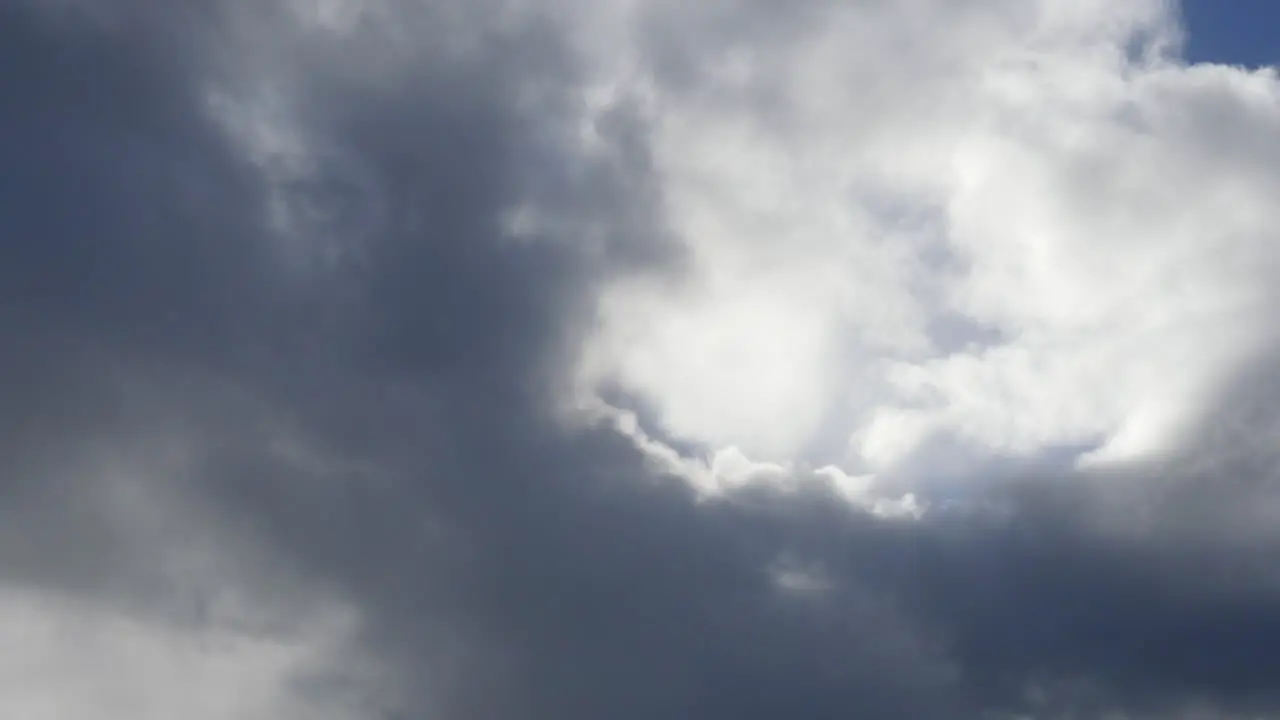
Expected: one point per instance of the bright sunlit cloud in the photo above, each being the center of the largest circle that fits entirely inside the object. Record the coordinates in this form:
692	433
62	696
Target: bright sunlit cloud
1020	226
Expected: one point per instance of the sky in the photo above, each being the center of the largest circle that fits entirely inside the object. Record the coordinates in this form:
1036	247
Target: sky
1234	33
568	359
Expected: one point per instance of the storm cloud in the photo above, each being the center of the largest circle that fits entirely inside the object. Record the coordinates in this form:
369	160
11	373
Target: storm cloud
395	359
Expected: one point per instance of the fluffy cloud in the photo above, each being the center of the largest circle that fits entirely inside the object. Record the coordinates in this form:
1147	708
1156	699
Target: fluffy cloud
1022	226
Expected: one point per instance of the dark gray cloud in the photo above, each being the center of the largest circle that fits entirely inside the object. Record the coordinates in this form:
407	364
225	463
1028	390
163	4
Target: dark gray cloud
380	426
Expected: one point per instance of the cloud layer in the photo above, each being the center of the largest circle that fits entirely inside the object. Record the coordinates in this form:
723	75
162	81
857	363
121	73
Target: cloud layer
415	358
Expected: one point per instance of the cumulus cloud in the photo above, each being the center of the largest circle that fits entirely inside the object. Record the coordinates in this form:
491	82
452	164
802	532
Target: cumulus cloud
1024	226
416	358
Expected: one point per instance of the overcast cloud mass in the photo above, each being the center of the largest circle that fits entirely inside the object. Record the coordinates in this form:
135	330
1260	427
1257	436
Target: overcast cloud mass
579	359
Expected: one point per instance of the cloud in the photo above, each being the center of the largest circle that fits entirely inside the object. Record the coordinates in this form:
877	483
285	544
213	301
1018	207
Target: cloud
126	594
1034	227
400	359
65	660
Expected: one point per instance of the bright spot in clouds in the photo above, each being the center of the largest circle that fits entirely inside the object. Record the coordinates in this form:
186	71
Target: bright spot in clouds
1016	226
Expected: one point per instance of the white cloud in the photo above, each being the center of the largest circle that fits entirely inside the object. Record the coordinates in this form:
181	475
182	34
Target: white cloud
1023	225
66	659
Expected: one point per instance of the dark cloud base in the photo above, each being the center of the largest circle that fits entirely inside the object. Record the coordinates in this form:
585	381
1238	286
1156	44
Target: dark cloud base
510	568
